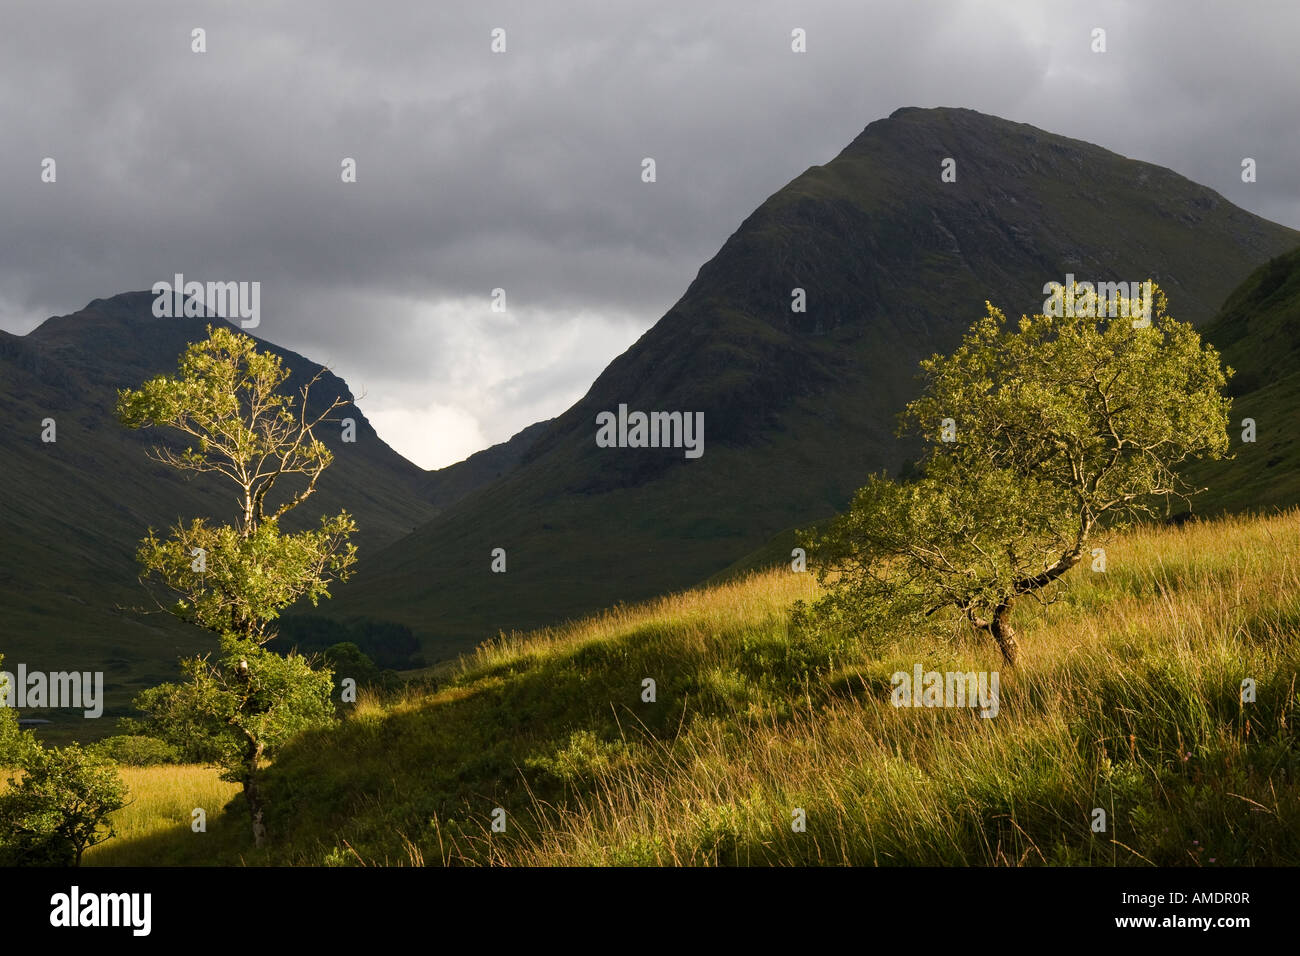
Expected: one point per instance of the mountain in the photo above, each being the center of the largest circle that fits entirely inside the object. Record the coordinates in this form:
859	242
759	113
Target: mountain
1258	333
76	508
800	406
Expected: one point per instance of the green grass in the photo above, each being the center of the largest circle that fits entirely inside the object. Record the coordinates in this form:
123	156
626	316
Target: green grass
1127	699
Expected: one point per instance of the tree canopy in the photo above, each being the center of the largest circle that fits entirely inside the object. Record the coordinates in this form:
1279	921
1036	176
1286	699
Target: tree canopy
228	401
1038	434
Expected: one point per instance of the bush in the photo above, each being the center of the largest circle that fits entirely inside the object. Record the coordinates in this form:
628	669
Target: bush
137	750
14	742
59	808
348	662
167	717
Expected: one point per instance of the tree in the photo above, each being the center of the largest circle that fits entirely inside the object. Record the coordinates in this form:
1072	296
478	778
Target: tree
246	704
234	579
60	805
349	661
1038	437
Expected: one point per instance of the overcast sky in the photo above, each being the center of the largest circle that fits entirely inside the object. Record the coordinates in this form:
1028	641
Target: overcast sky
522	170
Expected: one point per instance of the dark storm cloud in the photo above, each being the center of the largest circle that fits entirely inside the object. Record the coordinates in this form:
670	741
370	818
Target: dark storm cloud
522	170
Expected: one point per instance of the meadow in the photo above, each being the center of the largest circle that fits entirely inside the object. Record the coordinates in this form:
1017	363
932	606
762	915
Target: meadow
1128	700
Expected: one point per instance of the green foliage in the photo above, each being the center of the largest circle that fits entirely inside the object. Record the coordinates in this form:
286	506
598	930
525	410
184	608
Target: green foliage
226	402
137	750
10	736
239	708
347	661
59	807
167	718
249	575
1092	410
226	399
1063	426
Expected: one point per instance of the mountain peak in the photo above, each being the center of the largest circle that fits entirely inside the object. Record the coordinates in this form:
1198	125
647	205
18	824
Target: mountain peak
126	305
912	124
934	111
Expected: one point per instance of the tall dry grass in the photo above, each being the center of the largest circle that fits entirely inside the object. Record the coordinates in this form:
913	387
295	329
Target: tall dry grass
1127	700
159	814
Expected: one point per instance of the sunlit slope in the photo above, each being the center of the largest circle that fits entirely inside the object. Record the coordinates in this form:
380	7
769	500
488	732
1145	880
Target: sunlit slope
1128	699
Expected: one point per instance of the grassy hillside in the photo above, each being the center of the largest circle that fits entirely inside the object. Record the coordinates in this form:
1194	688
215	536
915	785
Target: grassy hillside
1258	333
1128	699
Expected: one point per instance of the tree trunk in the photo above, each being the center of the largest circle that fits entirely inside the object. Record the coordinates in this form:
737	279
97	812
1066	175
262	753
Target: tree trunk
1004	634
253	793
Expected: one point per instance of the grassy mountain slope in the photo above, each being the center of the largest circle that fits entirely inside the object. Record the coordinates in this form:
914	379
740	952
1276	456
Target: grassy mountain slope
1258	333
1128	699
800	407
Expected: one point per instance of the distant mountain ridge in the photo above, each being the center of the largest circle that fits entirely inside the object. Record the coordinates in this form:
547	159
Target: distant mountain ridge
894	264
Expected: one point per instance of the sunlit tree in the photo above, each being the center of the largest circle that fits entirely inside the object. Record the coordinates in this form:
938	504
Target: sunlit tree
238	422
1038	434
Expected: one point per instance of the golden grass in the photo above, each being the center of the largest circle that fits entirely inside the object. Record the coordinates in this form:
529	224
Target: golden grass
700	613
162	800
1122	683
1126	699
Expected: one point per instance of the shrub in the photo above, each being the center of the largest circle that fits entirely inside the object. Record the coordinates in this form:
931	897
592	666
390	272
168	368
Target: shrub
59	808
137	750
